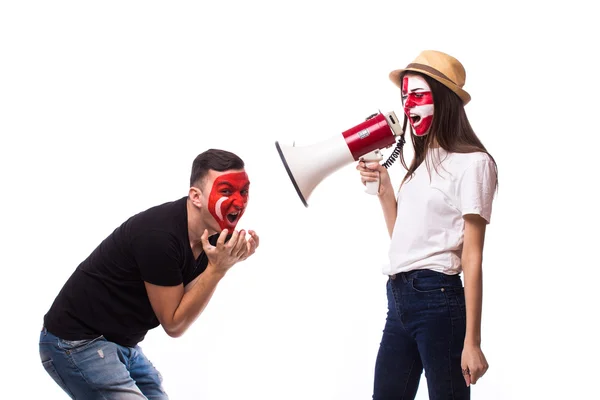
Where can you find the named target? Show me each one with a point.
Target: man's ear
(195, 196)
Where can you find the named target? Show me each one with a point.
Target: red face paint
(228, 199)
(418, 103)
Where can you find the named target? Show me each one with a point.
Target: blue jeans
(424, 330)
(99, 369)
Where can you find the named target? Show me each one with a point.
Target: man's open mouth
(232, 217)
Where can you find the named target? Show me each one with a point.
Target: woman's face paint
(228, 198)
(418, 103)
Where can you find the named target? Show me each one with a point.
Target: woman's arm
(474, 363)
(371, 172)
(390, 209)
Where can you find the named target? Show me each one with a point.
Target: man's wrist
(215, 273)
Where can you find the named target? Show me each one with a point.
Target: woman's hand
(473, 364)
(370, 172)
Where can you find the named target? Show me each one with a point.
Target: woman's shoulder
(469, 158)
(458, 163)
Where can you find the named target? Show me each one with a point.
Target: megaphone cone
(308, 165)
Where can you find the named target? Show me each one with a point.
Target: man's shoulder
(159, 214)
(166, 221)
(169, 207)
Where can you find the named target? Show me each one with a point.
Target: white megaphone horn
(307, 166)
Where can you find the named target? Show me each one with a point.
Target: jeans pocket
(49, 367)
(75, 345)
(432, 284)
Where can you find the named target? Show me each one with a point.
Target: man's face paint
(418, 103)
(228, 198)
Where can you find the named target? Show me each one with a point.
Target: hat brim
(464, 96)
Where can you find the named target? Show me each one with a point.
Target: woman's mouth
(415, 119)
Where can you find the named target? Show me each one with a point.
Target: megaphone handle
(375, 155)
(373, 187)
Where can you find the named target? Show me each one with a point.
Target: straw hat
(440, 66)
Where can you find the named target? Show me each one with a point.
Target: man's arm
(177, 307)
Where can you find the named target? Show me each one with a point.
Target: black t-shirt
(106, 295)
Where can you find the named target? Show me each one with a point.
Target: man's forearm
(195, 299)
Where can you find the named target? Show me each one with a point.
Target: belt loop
(404, 278)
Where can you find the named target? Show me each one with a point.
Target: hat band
(432, 71)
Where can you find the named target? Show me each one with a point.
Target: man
(160, 267)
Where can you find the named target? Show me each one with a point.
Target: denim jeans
(424, 330)
(100, 369)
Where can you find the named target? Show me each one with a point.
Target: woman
(437, 223)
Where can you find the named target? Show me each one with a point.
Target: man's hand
(473, 364)
(251, 244)
(225, 254)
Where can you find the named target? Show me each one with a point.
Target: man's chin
(230, 228)
(212, 239)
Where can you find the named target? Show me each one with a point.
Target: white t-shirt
(429, 228)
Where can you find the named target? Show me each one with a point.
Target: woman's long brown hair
(450, 127)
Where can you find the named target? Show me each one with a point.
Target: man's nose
(237, 201)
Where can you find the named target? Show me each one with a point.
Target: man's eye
(226, 192)
(244, 193)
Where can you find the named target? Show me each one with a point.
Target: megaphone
(308, 165)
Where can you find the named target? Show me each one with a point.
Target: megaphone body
(308, 165)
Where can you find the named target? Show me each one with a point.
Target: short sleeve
(476, 189)
(159, 258)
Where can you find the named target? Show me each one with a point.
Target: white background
(104, 105)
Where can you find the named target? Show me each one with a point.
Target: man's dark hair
(215, 159)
